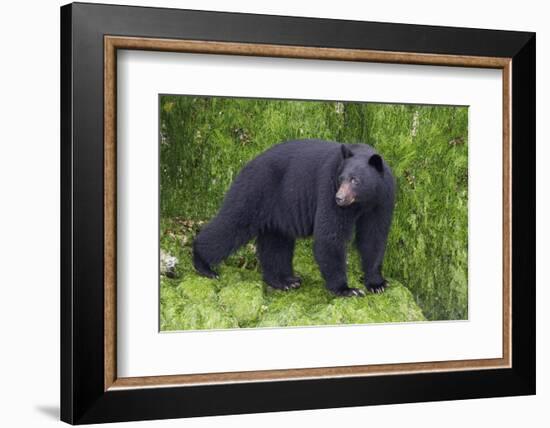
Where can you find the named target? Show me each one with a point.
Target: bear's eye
(354, 180)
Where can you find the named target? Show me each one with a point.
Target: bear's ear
(346, 152)
(376, 162)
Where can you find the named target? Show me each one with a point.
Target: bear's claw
(290, 283)
(207, 272)
(377, 289)
(349, 292)
(203, 268)
(294, 280)
(210, 274)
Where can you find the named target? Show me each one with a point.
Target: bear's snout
(345, 195)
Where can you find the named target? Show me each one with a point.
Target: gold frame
(113, 43)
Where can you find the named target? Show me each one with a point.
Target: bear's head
(360, 175)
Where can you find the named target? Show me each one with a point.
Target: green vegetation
(240, 298)
(206, 141)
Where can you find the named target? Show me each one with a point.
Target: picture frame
(91, 391)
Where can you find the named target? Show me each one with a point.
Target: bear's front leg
(371, 237)
(331, 258)
(275, 252)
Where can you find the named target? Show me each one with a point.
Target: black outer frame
(83, 399)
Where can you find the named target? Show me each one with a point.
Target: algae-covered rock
(239, 298)
(283, 318)
(198, 289)
(396, 304)
(192, 305)
(231, 274)
(306, 307)
(187, 315)
(213, 317)
(198, 303)
(243, 300)
(181, 316)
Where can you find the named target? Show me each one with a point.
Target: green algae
(240, 299)
(244, 300)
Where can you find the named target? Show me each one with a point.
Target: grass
(206, 141)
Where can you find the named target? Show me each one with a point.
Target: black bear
(298, 189)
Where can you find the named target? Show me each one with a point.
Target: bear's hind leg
(201, 266)
(216, 242)
(275, 252)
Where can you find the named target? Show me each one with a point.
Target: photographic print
(341, 184)
(294, 213)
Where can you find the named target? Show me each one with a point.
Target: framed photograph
(266, 213)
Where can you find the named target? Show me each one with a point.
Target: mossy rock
(198, 303)
(240, 299)
(310, 307)
(396, 304)
(196, 316)
(180, 316)
(198, 289)
(243, 300)
(213, 317)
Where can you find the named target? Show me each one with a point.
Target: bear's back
(292, 175)
(306, 150)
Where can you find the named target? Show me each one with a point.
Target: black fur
(288, 192)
